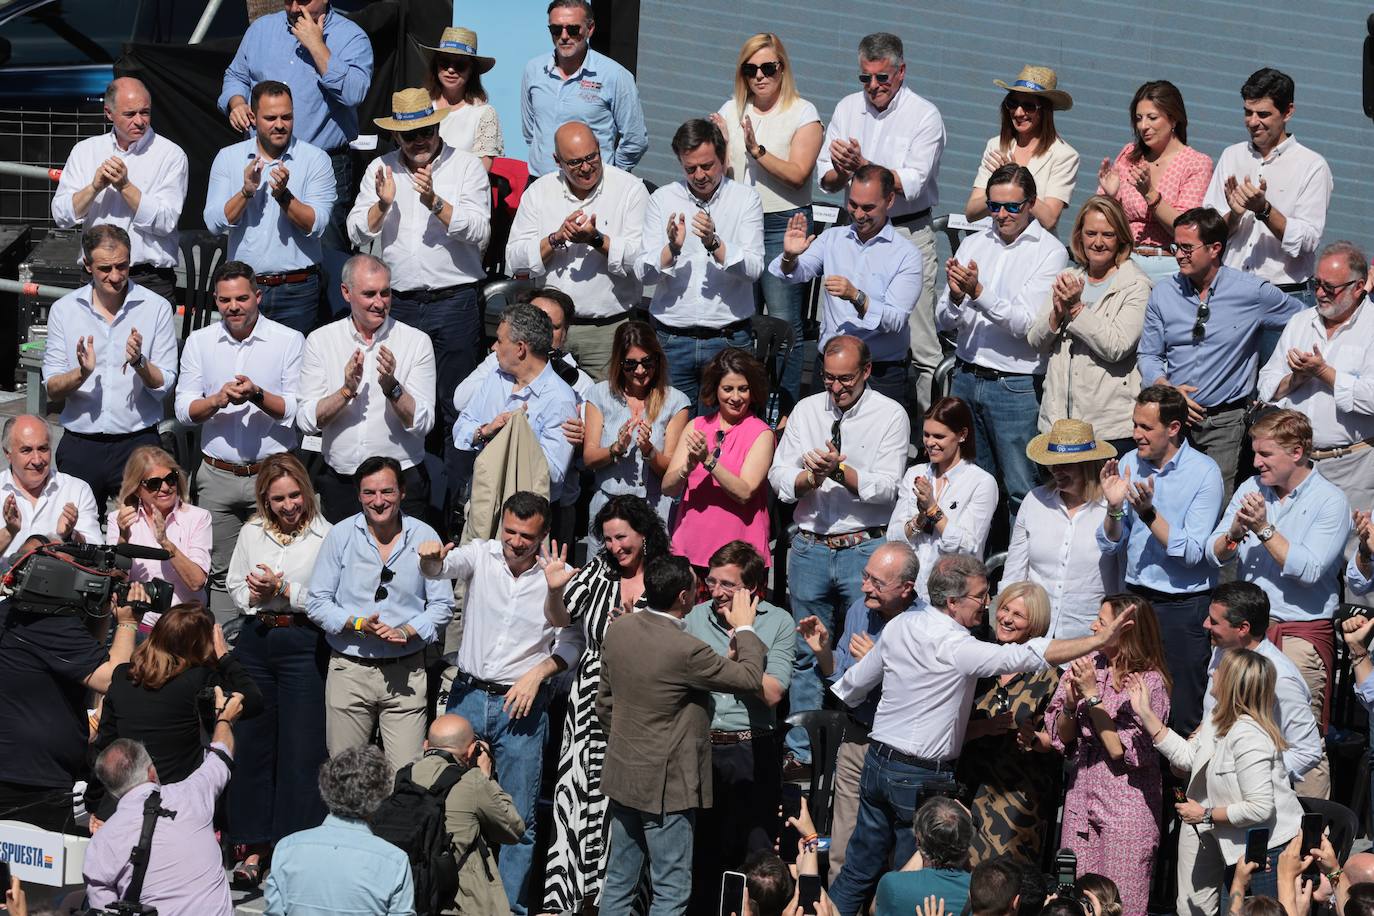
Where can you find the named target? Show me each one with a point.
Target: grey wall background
(1101, 50)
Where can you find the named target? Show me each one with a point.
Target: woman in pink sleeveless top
(721, 464)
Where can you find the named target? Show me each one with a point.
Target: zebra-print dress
(576, 864)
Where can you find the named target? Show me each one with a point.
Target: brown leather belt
(238, 470)
(295, 276)
(843, 541)
(272, 621)
(719, 737)
(1324, 453)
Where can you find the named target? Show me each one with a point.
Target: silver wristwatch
(1265, 533)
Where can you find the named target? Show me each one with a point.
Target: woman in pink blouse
(723, 461)
(1111, 809)
(1156, 176)
(153, 512)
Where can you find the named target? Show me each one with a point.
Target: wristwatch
(1148, 516)
(761, 152)
(1265, 533)
(713, 245)
(140, 362)
(438, 206)
(1207, 817)
(837, 475)
(861, 302)
(1264, 214)
(1090, 702)
(595, 240)
(555, 242)
(256, 397)
(395, 393)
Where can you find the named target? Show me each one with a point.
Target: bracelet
(1117, 514)
(346, 394)
(1156, 736)
(358, 624)
(1335, 875)
(225, 721)
(1356, 658)
(126, 626)
(810, 838)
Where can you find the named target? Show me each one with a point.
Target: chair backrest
(952, 236)
(774, 339)
(995, 564)
(942, 383)
(201, 253)
(1341, 822)
(497, 295)
(825, 730)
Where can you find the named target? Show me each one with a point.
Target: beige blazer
(1091, 374)
(1242, 772)
(654, 701)
(510, 462)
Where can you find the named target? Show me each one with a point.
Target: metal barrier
(30, 171)
(34, 290)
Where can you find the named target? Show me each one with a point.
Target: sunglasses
(387, 575)
(882, 78)
(1012, 208)
(458, 64)
(578, 163)
(1204, 311)
(574, 31)
(769, 69)
(630, 365)
(1332, 291)
(720, 440)
(420, 133)
(1177, 248)
(1012, 102)
(153, 484)
(835, 438)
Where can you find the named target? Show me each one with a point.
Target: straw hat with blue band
(1068, 442)
(1041, 81)
(413, 109)
(462, 42)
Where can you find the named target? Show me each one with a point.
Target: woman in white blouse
(1028, 138)
(1054, 540)
(1091, 326)
(1237, 780)
(454, 81)
(946, 504)
(774, 136)
(274, 790)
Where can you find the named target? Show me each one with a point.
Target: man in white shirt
(367, 387)
(506, 658)
(999, 281)
(1237, 619)
(1323, 367)
(840, 460)
(580, 229)
(703, 250)
(889, 125)
(1273, 190)
(928, 664)
(111, 355)
(37, 498)
(429, 207)
(133, 178)
(238, 383)
(872, 275)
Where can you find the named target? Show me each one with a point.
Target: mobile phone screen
(732, 894)
(809, 893)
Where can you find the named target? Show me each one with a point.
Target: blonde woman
(774, 137)
(1091, 325)
(1005, 754)
(275, 792)
(154, 512)
(1236, 780)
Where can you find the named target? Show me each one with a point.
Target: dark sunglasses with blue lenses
(1011, 207)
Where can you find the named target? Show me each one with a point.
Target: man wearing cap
(429, 207)
(888, 124)
(272, 194)
(326, 60)
(579, 84)
(131, 177)
(580, 229)
(872, 275)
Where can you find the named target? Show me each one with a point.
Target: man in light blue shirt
(1202, 335)
(523, 381)
(111, 356)
(1286, 527)
(272, 195)
(872, 276)
(1163, 499)
(378, 613)
(579, 84)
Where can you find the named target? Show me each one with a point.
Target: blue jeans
(825, 583)
(518, 746)
(888, 790)
(687, 356)
(293, 304)
(890, 379)
(666, 841)
(782, 299)
(1005, 413)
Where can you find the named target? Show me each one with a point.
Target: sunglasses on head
(630, 365)
(882, 78)
(574, 31)
(769, 69)
(387, 575)
(153, 484)
(1012, 207)
(420, 133)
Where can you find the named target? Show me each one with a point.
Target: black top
(44, 662)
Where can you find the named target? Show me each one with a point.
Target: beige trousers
(359, 697)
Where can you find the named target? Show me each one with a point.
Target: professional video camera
(59, 578)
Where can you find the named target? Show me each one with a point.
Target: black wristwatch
(1148, 516)
(715, 243)
(595, 240)
(395, 393)
(140, 362)
(1265, 213)
(256, 397)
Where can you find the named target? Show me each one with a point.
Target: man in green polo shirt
(746, 746)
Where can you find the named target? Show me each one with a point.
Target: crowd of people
(1159, 645)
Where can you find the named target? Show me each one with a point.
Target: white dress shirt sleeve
(968, 526)
(358, 230)
(78, 172)
(1299, 727)
(87, 516)
(905, 509)
(1275, 370)
(786, 466)
(291, 377)
(420, 380)
(527, 233)
(471, 203)
(159, 204)
(744, 241)
(314, 384)
(879, 483)
(1017, 565)
(975, 658)
(1306, 220)
(192, 383)
(161, 348)
(858, 682)
(622, 255)
(922, 158)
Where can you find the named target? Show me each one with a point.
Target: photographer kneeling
(185, 871)
(50, 662)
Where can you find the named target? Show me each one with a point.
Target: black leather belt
(1292, 287)
(1237, 404)
(425, 296)
(984, 372)
(599, 321)
(1155, 596)
(476, 683)
(888, 752)
(910, 217)
(701, 332)
(110, 437)
(884, 365)
(377, 662)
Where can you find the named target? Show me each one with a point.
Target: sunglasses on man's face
(153, 484)
(574, 31)
(1013, 207)
(882, 78)
(769, 69)
(420, 133)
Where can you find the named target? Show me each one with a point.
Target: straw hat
(412, 109)
(462, 43)
(1068, 442)
(1040, 81)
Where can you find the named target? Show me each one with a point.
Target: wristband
(225, 721)
(1117, 514)
(134, 626)
(810, 838)
(1335, 875)
(358, 624)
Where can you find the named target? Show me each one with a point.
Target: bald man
(578, 229)
(478, 812)
(132, 177)
(36, 499)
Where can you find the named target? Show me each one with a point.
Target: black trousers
(99, 460)
(161, 280)
(339, 494)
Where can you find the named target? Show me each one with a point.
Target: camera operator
(50, 661)
(185, 872)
